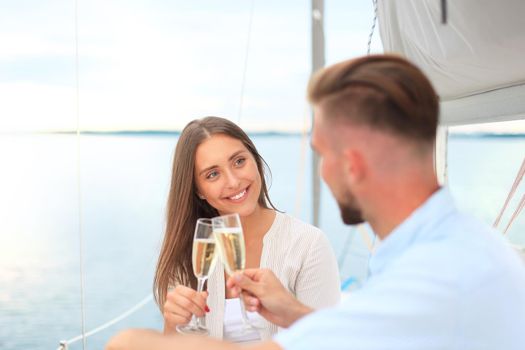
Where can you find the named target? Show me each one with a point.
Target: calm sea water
(124, 183)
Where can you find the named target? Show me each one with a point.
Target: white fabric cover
(491, 106)
(481, 50)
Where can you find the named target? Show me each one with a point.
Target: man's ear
(355, 166)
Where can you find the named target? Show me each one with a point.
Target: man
(438, 280)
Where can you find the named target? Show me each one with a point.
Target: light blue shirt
(440, 280)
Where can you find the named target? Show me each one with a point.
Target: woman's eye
(240, 161)
(212, 175)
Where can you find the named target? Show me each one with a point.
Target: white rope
(374, 2)
(243, 81)
(517, 181)
(64, 344)
(79, 187)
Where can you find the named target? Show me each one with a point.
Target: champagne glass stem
(245, 320)
(201, 321)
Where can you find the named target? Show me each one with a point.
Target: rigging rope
(79, 187)
(373, 27)
(364, 235)
(243, 81)
(516, 213)
(83, 336)
(513, 188)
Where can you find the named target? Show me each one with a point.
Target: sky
(157, 64)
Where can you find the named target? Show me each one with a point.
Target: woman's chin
(243, 211)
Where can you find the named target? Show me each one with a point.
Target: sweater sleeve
(318, 284)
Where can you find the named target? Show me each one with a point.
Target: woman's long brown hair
(185, 207)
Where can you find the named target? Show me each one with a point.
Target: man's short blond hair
(383, 91)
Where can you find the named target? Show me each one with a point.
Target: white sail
(475, 60)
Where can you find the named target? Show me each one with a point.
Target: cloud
(157, 64)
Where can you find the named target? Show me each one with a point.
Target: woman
(218, 171)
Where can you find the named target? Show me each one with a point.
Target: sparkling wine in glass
(203, 261)
(228, 234)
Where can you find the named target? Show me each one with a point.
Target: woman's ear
(200, 196)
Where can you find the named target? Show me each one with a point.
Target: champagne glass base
(247, 329)
(189, 329)
(255, 326)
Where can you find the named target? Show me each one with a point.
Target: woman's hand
(181, 304)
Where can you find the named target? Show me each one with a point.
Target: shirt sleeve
(318, 284)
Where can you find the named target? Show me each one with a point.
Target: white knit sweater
(300, 256)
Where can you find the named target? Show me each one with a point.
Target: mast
(318, 61)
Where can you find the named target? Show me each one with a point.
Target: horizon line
(165, 132)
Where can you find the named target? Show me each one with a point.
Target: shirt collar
(419, 226)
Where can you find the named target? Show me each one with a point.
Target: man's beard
(350, 214)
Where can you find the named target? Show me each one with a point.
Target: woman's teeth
(238, 196)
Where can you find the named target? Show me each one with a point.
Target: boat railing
(64, 344)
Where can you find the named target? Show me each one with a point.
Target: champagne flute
(228, 234)
(203, 261)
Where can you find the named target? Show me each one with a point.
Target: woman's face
(226, 175)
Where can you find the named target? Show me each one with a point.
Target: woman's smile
(239, 196)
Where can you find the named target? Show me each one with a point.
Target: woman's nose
(232, 179)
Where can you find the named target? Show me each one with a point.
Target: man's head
(374, 115)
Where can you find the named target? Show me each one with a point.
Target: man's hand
(266, 295)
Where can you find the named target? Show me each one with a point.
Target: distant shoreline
(252, 133)
(486, 135)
